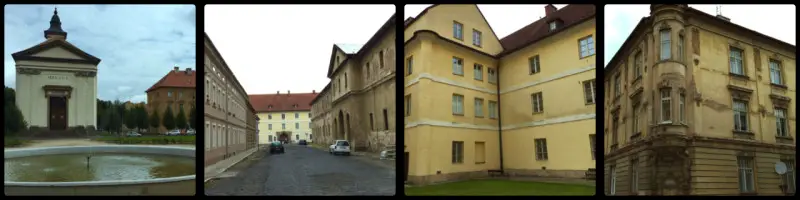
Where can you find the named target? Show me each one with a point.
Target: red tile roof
(282, 102)
(539, 29)
(176, 79)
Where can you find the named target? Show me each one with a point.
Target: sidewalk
(218, 168)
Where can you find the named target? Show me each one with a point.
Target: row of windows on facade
(296, 137)
(371, 122)
(217, 135)
(283, 126)
(540, 146)
(736, 62)
(458, 33)
(217, 96)
(741, 122)
(745, 174)
(338, 84)
(283, 115)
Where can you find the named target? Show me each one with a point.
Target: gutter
(499, 122)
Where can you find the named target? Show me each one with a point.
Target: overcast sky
(504, 19)
(288, 47)
(137, 44)
(777, 21)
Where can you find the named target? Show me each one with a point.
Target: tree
(193, 118)
(130, 119)
(114, 120)
(180, 119)
(13, 120)
(169, 119)
(141, 118)
(154, 120)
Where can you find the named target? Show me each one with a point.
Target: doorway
(57, 113)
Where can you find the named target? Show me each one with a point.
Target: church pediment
(55, 50)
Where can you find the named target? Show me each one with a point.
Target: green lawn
(11, 141)
(499, 188)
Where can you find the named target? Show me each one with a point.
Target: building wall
(361, 87)
(710, 147)
(159, 99)
(431, 127)
(31, 99)
(271, 123)
(226, 111)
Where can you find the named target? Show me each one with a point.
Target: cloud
(138, 44)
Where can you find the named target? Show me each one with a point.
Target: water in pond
(102, 167)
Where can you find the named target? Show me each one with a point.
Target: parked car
(276, 147)
(340, 147)
(174, 132)
(190, 132)
(133, 134)
(302, 142)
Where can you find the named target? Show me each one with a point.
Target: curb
(225, 168)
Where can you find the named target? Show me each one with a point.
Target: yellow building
(284, 117)
(697, 105)
(525, 108)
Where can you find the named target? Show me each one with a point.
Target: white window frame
(492, 73)
(476, 37)
(478, 107)
(534, 65)
(590, 91)
(458, 30)
(781, 122)
(492, 110)
(739, 109)
(746, 174)
(477, 71)
(458, 66)
(775, 76)
(553, 25)
(612, 190)
(682, 107)
(635, 176)
(586, 47)
(458, 104)
(736, 62)
(666, 105)
(666, 52)
(537, 101)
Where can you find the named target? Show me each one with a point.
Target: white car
(174, 132)
(190, 132)
(340, 147)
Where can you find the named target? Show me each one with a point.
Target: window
(492, 75)
(297, 137)
(478, 107)
(533, 64)
(492, 110)
(613, 188)
(476, 38)
(592, 143)
(380, 58)
(458, 31)
(371, 122)
(458, 104)
(478, 69)
(588, 91)
(781, 123)
(408, 105)
(283, 116)
(682, 107)
(368, 68)
(296, 125)
(458, 152)
(680, 48)
(746, 179)
(536, 99)
(637, 69)
(586, 46)
(385, 120)
(617, 86)
(615, 129)
(541, 149)
(270, 138)
(296, 115)
(635, 119)
(283, 126)
(345, 80)
(269, 126)
(480, 152)
(788, 178)
(737, 66)
(458, 66)
(409, 65)
(775, 72)
(665, 45)
(635, 176)
(553, 25)
(309, 115)
(169, 94)
(665, 105)
(739, 115)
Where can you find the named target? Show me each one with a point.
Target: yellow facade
(297, 123)
(451, 129)
(670, 120)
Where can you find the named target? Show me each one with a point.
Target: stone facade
(691, 108)
(359, 103)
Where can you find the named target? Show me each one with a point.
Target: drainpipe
(499, 121)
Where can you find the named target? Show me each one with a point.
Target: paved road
(305, 171)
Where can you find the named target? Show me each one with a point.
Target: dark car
(276, 147)
(302, 142)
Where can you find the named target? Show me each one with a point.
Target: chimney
(176, 68)
(313, 91)
(189, 71)
(288, 92)
(549, 9)
(279, 92)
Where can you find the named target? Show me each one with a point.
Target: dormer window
(553, 25)
(295, 105)
(269, 107)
